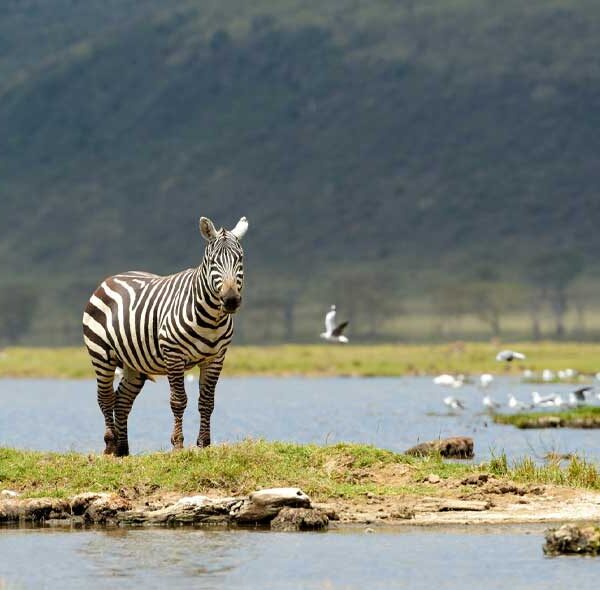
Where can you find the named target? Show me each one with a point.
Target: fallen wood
(264, 505)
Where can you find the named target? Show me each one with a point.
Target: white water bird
(449, 380)
(333, 331)
(516, 404)
(485, 379)
(547, 375)
(190, 378)
(454, 403)
(542, 400)
(118, 373)
(577, 397)
(528, 374)
(489, 403)
(509, 355)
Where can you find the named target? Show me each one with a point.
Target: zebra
(150, 325)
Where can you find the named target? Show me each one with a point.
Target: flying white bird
(485, 379)
(454, 403)
(333, 331)
(516, 404)
(509, 355)
(577, 397)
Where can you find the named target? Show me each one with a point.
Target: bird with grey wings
(333, 330)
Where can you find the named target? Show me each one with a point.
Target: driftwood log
(260, 507)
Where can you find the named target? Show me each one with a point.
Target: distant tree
(450, 303)
(490, 300)
(18, 304)
(367, 298)
(553, 272)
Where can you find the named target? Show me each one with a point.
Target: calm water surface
(415, 558)
(391, 413)
(394, 413)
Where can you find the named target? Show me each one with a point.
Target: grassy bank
(384, 360)
(585, 417)
(336, 471)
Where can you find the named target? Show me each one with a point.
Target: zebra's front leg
(209, 375)
(178, 401)
(106, 401)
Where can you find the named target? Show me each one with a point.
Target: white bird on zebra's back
(485, 379)
(333, 331)
(509, 356)
(454, 403)
(516, 404)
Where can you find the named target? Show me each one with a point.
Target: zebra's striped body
(155, 325)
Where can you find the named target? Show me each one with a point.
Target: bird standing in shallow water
(454, 403)
(333, 331)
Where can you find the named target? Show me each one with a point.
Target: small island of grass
(584, 417)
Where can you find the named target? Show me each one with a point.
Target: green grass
(383, 360)
(331, 471)
(324, 472)
(577, 472)
(584, 417)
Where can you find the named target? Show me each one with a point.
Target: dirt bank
(478, 499)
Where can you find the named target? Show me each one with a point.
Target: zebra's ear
(239, 231)
(207, 229)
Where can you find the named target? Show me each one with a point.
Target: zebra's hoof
(110, 442)
(122, 450)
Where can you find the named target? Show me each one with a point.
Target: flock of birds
(575, 398)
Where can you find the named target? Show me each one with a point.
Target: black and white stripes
(155, 325)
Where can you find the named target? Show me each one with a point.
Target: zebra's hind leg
(105, 375)
(129, 387)
(178, 402)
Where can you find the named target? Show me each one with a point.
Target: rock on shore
(456, 447)
(570, 539)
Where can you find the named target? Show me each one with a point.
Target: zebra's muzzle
(231, 303)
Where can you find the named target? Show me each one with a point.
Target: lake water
(409, 557)
(393, 413)
(390, 413)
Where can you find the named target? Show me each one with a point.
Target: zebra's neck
(207, 307)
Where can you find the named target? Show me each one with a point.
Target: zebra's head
(224, 260)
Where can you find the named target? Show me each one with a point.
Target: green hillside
(412, 140)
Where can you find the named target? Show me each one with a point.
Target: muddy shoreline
(482, 500)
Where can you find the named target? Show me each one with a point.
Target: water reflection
(408, 557)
